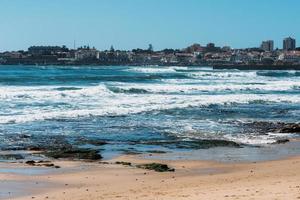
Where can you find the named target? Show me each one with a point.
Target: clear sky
(128, 24)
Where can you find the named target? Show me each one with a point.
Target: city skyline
(266, 45)
(130, 24)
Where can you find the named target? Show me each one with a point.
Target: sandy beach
(193, 180)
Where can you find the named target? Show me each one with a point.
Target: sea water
(142, 108)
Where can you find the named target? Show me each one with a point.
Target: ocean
(137, 109)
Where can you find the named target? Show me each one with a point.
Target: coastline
(256, 67)
(192, 179)
(243, 67)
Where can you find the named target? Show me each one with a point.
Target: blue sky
(128, 24)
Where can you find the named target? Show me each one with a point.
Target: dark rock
(131, 152)
(74, 153)
(156, 151)
(48, 143)
(95, 142)
(282, 141)
(262, 126)
(30, 162)
(205, 144)
(24, 136)
(123, 163)
(156, 167)
(104, 163)
(194, 144)
(290, 128)
(275, 127)
(35, 148)
(43, 161)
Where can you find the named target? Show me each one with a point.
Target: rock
(24, 136)
(263, 127)
(156, 167)
(194, 144)
(206, 144)
(282, 141)
(104, 163)
(203, 144)
(95, 142)
(35, 148)
(130, 152)
(123, 163)
(290, 128)
(275, 127)
(74, 153)
(43, 161)
(30, 162)
(156, 151)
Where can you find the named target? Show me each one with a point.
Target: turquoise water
(142, 108)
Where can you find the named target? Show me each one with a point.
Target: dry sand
(195, 180)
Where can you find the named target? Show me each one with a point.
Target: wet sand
(279, 179)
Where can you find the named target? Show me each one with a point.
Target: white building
(87, 53)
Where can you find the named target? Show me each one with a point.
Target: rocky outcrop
(156, 167)
(274, 127)
(290, 128)
(74, 154)
(282, 141)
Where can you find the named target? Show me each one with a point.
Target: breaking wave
(24, 104)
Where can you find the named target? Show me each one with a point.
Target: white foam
(187, 86)
(29, 103)
(99, 101)
(222, 74)
(152, 70)
(251, 139)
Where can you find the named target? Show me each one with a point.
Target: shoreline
(257, 67)
(243, 67)
(192, 179)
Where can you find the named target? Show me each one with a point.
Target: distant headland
(263, 57)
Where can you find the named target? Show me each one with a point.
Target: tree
(169, 51)
(150, 48)
(112, 48)
(199, 57)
